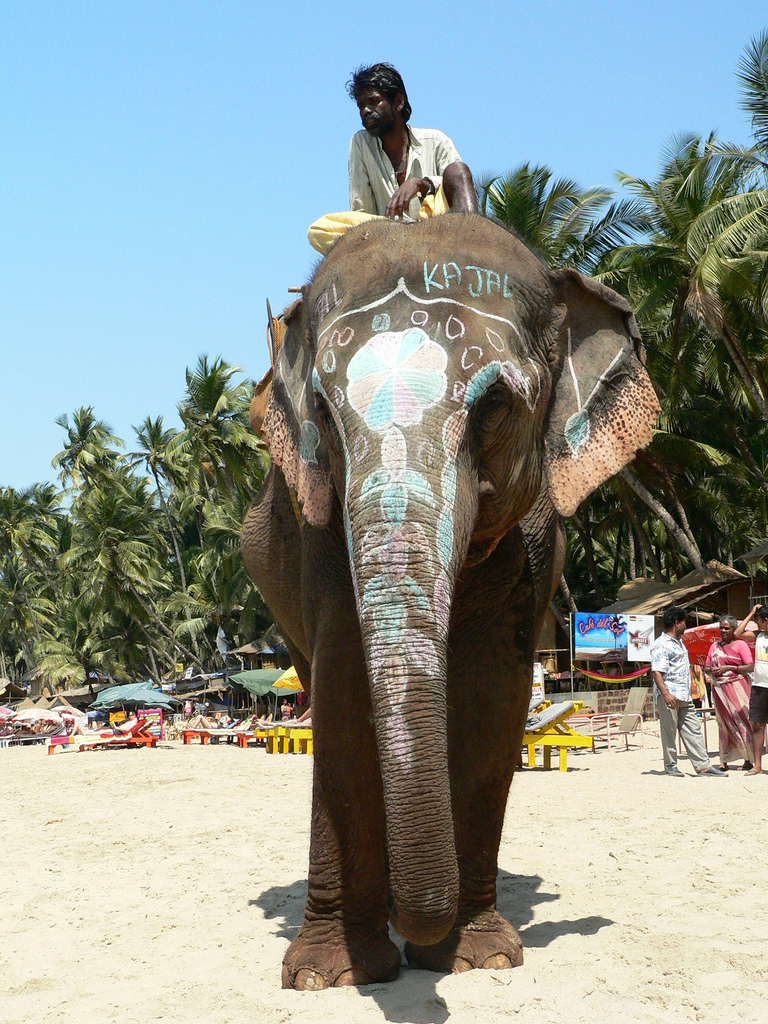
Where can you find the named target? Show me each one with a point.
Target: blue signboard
(599, 636)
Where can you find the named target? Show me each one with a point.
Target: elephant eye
(327, 424)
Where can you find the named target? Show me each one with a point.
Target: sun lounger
(20, 739)
(205, 735)
(137, 736)
(299, 738)
(612, 727)
(626, 723)
(549, 728)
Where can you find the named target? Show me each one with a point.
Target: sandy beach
(166, 884)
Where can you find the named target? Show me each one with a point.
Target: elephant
(440, 400)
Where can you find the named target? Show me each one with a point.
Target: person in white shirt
(758, 697)
(394, 167)
(671, 672)
(395, 170)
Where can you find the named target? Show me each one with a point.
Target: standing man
(758, 697)
(395, 170)
(677, 714)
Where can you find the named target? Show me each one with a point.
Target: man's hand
(670, 701)
(400, 201)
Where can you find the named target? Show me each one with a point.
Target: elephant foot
(317, 959)
(487, 941)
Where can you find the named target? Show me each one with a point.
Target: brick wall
(612, 701)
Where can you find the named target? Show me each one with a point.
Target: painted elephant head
(431, 379)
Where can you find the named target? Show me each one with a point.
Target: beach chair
(137, 736)
(288, 739)
(626, 723)
(299, 738)
(20, 739)
(549, 728)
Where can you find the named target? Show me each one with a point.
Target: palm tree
(154, 442)
(216, 438)
(752, 73)
(27, 531)
(707, 239)
(88, 449)
(222, 593)
(74, 644)
(559, 220)
(118, 537)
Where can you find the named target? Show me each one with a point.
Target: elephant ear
(603, 407)
(290, 427)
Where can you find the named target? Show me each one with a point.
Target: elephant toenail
(499, 961)
(348, 978)
(311, 980)
(460, 965)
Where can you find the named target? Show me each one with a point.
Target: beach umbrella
(287, 683)
(257, 681)
(134, 695)
(699, 639)
(6, 713)
(37, 715)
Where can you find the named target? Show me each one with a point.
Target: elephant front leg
(344, 939)
(489, 687)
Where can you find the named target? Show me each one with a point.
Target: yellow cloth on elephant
(328, 229)
(324, 231)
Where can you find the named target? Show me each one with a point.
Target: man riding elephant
(395, 170)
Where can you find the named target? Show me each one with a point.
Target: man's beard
(382, 124)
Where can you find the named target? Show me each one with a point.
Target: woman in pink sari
(730, 663)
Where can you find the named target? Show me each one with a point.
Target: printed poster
(607, 636)
(640, 637)
(599, 636)
(152, 719)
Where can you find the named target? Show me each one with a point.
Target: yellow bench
(550, 730)
(284, 739)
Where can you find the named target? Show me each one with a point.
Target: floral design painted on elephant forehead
(393, 380)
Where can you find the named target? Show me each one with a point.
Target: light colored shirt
(372, 179)
(760, 677)
(670, 658)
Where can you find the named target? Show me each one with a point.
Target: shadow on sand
(414, 997)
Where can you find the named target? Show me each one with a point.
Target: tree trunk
(617, 553)
(749, 459)
(155, 670)
(567, 594)
(646, 549)
(743, 369)
(162, 626)
(172, 532)
(679, 509)
(631, 545)
(589, 554)
(688, 545)
(177, 551)
(561, 620)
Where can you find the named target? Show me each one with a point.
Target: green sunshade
(134, 695)
(257, 680)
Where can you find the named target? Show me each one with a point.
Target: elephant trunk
(424, 876)
(404, 549)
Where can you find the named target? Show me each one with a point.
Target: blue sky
(161, 161)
